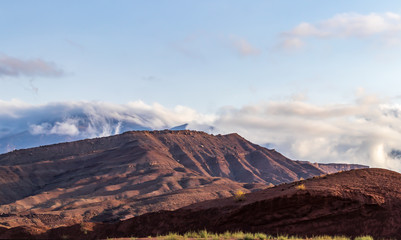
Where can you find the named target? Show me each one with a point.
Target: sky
(317, 80)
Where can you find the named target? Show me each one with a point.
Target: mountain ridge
(118, 177)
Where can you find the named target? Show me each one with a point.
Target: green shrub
(239, 235)
(248, 236)
(191, 235)
(261, 236)
(325, 237)
(172, 236)
(203, 234)
(227, 235)
(341, 238)
(364, 238)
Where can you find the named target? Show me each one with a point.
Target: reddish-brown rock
(118, 177)
(353, 203)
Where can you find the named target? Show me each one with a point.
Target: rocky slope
(118, 177)
(353, 203)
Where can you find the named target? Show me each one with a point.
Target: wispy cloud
(14, 67)
(75, 45)
(243, 47)
(200, 46)
(190, 45)
(150, 78)
(346, 25)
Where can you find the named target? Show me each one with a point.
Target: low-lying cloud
(92, 119)
(386, 26)
(14, 67)
(362, 132)
(68, 127)
(366, 131)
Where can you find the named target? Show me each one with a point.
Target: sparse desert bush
(364, 238)
(330, 238)
(191, 235)
(239, 196)
(239, 235)
(249, 236)
(340, 238)
(300, 187)
(203, 234)
(260, 236)
(172, 236)
(226, 235)
(282, 237)
(286, 237)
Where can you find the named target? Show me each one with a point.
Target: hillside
(353, 203)
(118, 177)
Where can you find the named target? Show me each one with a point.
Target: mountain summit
(118, 177)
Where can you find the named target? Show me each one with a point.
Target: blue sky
(192, 53)
(318, 80)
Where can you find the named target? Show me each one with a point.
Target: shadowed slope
(354, 203)
(118, 177)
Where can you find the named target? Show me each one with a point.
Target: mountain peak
(125, 175)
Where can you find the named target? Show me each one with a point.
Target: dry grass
(204, 234)
(300, 187)
(239, 196)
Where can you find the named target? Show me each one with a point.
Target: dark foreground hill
(353, 203)
(119, 177)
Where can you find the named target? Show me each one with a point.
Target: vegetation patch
(239, 196)
(300, 187)
(204, 234)
(364, 238)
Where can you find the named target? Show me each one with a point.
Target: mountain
(115, 178)
(353, 203)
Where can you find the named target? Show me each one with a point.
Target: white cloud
(92, 119)
(366, 131)
(42, 128)
(68, 127)
(65, 128)
(14, 67)
(387, 26)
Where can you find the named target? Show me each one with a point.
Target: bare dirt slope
(353, 203)
(115, 178)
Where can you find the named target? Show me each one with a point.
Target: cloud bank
(386, 26)
(366, 131)
(92, 119)
(14, 67)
